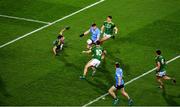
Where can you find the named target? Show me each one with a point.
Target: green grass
(31, 75)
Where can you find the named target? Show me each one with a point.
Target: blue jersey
(119, 73)
(95, 34)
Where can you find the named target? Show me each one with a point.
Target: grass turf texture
(31, 75)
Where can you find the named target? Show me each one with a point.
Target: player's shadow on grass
(169, 98)
(3, 90)
(67, 63)
(107, 74)
(98, 85)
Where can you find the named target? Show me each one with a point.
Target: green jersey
(162, 62)
(97, 52)
(56, 42)
(109, 28)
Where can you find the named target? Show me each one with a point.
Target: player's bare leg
(112, 92)
(94, 71)
(54, 50)
(169, 78)
(86, 69)
(104, 39)
(160, 82)
(124, 93)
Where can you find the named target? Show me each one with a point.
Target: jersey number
(98, 52)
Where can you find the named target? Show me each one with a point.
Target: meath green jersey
(97, 52)
(162, 62)
(56, 42)
(108, 28)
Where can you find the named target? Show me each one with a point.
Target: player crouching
(95, 35)
(109, 29)
(98, 53)
(59, 42)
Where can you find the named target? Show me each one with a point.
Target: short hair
(98, 42)
(158, 52)
(60, 36)
(117, 65)
(94, 24)
(110, 17)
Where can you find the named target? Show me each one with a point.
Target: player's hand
(67, 27)
(81, 35)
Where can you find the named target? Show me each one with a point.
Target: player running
(109, 29)
(59, 42)
(95, 35)
(119, 86)
(98, 53)
(161, 69)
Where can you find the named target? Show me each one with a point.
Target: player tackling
(161, 69)
(98, 54)
(109, 29)
(95, 35)
(59, 42)
(119, 86)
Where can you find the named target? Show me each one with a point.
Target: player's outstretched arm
(158, 66)
(102, 29)
(89, 51)
(62, 31)
(85, 33)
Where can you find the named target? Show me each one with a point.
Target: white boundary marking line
(65, 17)
(25, 19)
(134, 79)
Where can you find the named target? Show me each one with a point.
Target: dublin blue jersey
(95, 34)
(119, 73)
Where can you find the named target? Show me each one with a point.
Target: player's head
(158, 52)
(98, 42)
(60, 37)
(93, 25)
(109, 18)
(117, 64)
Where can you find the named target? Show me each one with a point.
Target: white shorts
(107, 35)
(89, 41)
(95, 62)
(161, 74)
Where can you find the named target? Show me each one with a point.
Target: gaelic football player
(109, 29)
(59, 42)
(161, 69)
(119, 86)
(98, 53)
(95, 35)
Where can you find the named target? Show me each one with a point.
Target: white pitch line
(134, 79)
(65, 17)
(25, 19)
